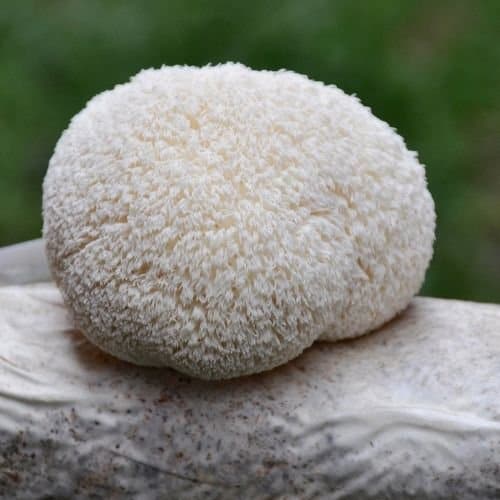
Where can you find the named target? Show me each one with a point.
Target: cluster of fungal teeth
(219, 220)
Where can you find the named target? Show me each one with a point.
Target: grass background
(430, 68)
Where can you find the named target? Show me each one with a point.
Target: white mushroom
(219, 220)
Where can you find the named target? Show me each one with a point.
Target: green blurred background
(429, 68)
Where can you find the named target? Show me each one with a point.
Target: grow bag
(410, 411)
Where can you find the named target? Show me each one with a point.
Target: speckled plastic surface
(411, 411)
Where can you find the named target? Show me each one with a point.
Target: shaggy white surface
(219, 220)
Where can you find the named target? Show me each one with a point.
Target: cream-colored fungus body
(219, 220)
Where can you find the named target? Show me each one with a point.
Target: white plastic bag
(411, 411)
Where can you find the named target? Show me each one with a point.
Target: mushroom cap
(219, 220)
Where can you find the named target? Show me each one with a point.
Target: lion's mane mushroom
(219, 220)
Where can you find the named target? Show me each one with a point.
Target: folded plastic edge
(24, 263)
